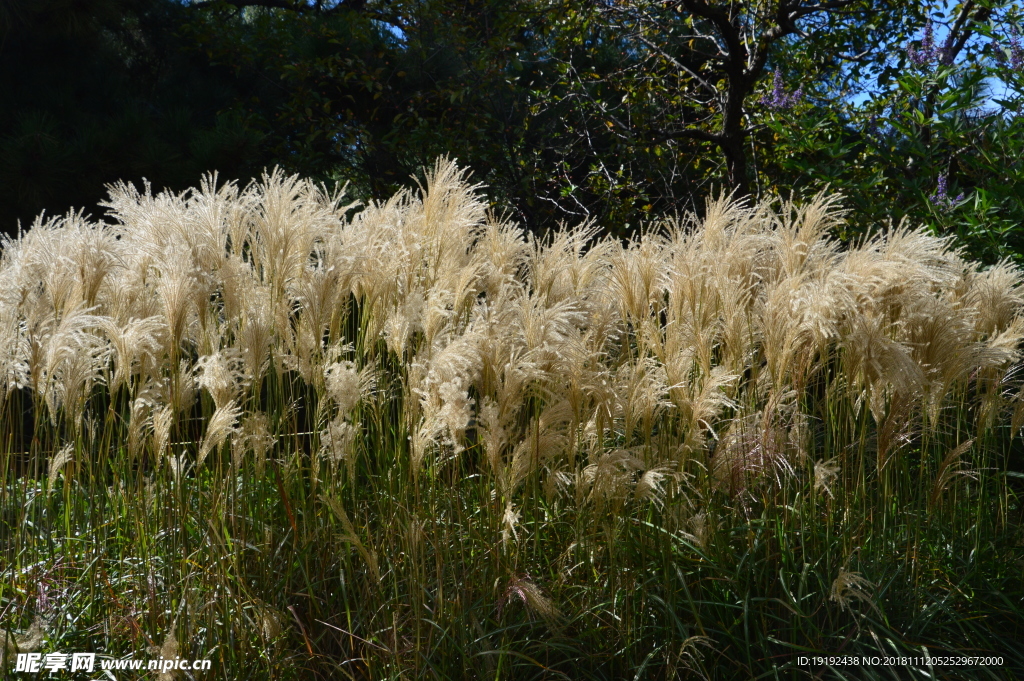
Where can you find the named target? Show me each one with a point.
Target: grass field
(305, 439)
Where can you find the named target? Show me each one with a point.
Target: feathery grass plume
(256, 333)
(495, 437)
(136, 314)
(68, 257)
(168, 651)
(176, 290)
(220, 426)
(952, 466)
(163, 419)
(178, 466)
(303, 353)
(849, 587)
(941, 340)
(565, 264)
(255, 437)
(289, 217)
(452, 213)
(337, 443)
(268, 621)
(752, 449)
(155, 223)
(14, 351)
(415, 537)
(57, 462)
(57, 341)
(729, 244)
(956, 362)
(996, 295)
(650, 486)
(542, 329)
(503, 249)
(636, 276)
(92, 254)
(137, 342)
(140, 421)
(557, 481)
(442, 385)
(346, 385)
(238, 287)
(351, 537)
(800, 240)
(874, 361)
(404, 320)
(643, 390)
(611, 476)
(700, 529)
(524, 590)
(796, 319)
(456, 412)
(506, 367)
(586, 384)
(908, 259)
(222, 215)
(422, 440)
(180, 389)
(454, 297)
(509, 522)
(1017, 416)
(799, 441)
(998, 370)
(736, 332)
(322, 299)
(543, 441)
(222, 375)
(896, 430)
(825, 472)
(690, 656)
(74, 362)
(700, 400)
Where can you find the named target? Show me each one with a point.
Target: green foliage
(887, 132)
(369, 98)
(103, 90)
(615, 113)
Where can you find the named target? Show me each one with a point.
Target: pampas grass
(563, 456)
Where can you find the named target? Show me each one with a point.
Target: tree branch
(679, 65)
(297, 6)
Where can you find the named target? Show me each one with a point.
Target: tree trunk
(733, 136)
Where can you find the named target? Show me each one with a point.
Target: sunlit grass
(408, 441)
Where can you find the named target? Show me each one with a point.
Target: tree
(371, 92)
(699, 63)
(101, 90)
(927, 127)
(609, 111)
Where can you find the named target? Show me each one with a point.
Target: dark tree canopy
(100, 90)
(615, 112)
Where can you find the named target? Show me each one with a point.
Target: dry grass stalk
(559, 353)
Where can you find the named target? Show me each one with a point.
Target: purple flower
(940, 191)
(944, 54)
(929, 52)
(779, 99)
(1016, 52)
(924, 55)
(941, 200)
